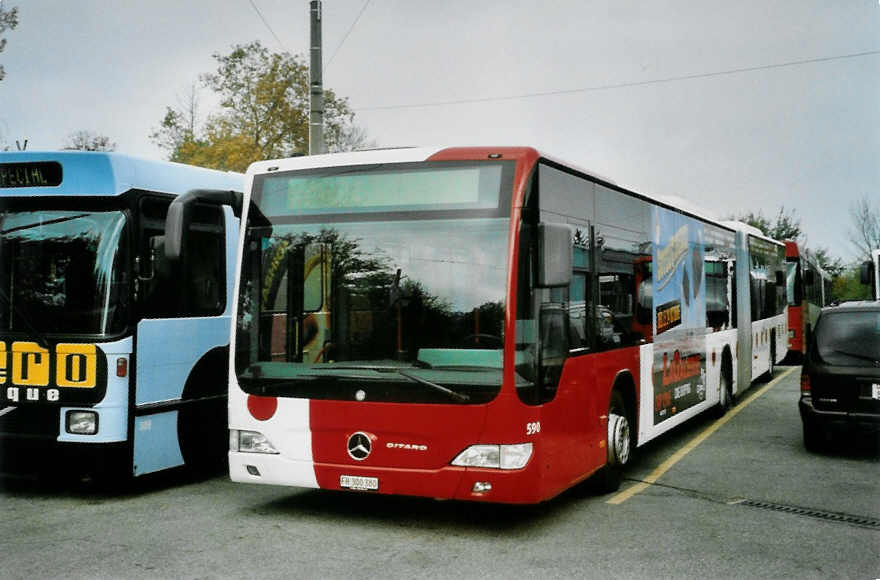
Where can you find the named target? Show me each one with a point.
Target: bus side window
(577, 312)
(579, 295)
(205, 279)
(622, 249)
(198, 292)
(717, 303)
(154, 288)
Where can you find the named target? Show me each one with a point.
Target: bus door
(296, 304)
(182, 341)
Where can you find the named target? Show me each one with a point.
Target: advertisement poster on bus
(679, 308)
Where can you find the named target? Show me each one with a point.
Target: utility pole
(316, 114)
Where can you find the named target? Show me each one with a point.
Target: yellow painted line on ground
(693, 443)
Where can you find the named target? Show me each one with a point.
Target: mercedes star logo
(359, 446)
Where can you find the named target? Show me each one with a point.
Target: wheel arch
(202, 421)
(727, 363)
(625, 384)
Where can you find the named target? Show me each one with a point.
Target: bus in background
(113, 356)
(870, 274)
(762, 283)
(806, 287)
(483, 324)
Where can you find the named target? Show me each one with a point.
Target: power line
(260, 14)
(620, 85)
(350, 28)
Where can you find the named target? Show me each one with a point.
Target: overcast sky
(735, 106)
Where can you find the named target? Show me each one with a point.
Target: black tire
(619, 445)
(726, 400)
(202, 420)
(772, 356)
(813, 436)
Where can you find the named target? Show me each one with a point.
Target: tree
(8, 21)
(88, 141)
(848, 286)
(786, 226)
(866, 226)
(180, 124)
(264, 113)
(831, 264)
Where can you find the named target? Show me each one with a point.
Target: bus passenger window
(717, 303)
(577, 311)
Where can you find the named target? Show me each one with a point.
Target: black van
(840, 379)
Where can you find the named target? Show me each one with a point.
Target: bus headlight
(495, 456)
(82, 422)
(250, 442)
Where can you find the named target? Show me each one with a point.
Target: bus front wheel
(619, 444)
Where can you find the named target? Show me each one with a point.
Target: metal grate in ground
(861, 521)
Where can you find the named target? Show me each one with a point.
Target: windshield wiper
(460, 397)
(335, 373)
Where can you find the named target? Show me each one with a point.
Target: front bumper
(449, 482)
(51, 460)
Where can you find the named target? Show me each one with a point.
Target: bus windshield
(62, 272)
(376, 284)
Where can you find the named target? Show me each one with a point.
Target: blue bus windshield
(62, 272)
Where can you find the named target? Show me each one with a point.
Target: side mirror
(780, 279)
(866, 272)
(554, 255)
(179, 217)
(810, 278)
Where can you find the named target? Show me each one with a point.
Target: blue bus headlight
(250, 442)
(495, 456)
(82, 422)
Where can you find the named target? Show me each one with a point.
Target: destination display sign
(30, 174)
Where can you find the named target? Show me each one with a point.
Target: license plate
(359, 483)
(875, 391)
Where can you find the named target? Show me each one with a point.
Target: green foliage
(264, 113)
(8, 21)
(848, 286)
(785, 227)
(831, 264)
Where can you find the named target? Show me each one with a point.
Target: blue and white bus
(113, 344)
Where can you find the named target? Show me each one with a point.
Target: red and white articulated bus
(482, 324)
(808, 288)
